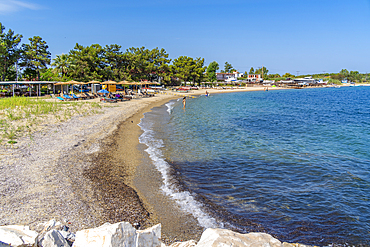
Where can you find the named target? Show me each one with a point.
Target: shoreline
(90, 170)
(57, 173)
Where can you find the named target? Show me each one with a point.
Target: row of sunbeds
(85, 96)
(112, 98)
(104, 97)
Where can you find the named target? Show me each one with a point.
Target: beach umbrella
(124, 83)
(103, 91)
(72, 83)
(61, 84)
(94, 82)
(136, 84)
(108, 82)
(83, 83)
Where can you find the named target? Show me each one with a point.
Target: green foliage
(9, 53)
(211, 71)
(145, 64)
(188, 69)
(262, 71)
(87, 63)
(344, 72)
(288, 75)
(110, 63)
(338, 76)
(21, 114)
(251, 71)
(62, 64)
(50, 75)
(354, 76)
(36, 55)
(29, 74)
(115, 63)
(228, 68)
(273, 76)
(334, 81)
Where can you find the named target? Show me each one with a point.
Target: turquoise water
(292, 163)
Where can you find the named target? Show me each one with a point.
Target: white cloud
(11, 6)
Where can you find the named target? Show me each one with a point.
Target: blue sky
(308, 36)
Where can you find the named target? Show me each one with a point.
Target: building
(228, 76)
(255, 78)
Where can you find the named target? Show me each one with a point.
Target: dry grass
(21, 116)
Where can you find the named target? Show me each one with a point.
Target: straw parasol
(72, 83)
(93, 82)
(62, 83)
(124, 83)
(83, 83)
(108, 82)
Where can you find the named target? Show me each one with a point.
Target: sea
(291, 163)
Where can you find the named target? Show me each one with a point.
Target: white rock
(107, 235)
(2, 244)
(190, 243)
(17, 235)
(53, 238)
(221, 237)
(68, 235)
(149, 237)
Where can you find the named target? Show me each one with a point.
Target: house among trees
(228, 76)
(255, 78)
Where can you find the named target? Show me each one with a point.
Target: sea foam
(170, 106)
(183, 198)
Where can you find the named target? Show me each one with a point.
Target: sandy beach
(90, 170)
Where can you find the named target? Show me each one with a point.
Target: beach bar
(24, 88)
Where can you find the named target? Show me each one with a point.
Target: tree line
(344, 74)
(32, 61)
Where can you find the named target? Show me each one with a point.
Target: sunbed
(75, 97)
(90, 96)
(65, 96)
(108, 100)
(82, 96)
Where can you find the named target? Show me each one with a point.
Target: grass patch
(22, 115)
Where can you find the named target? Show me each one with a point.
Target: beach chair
(125, 96)
(108, 100)
(65, 96)
(59, 98)
(75, 97)
(89, 96)
(82, 96)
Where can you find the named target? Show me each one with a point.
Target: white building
(255, 78)
(228, 76)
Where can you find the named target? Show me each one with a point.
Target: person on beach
(207, 94)
(184, 101)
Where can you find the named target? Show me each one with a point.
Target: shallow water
(293, 163)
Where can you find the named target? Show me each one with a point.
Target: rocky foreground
(56, 234)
